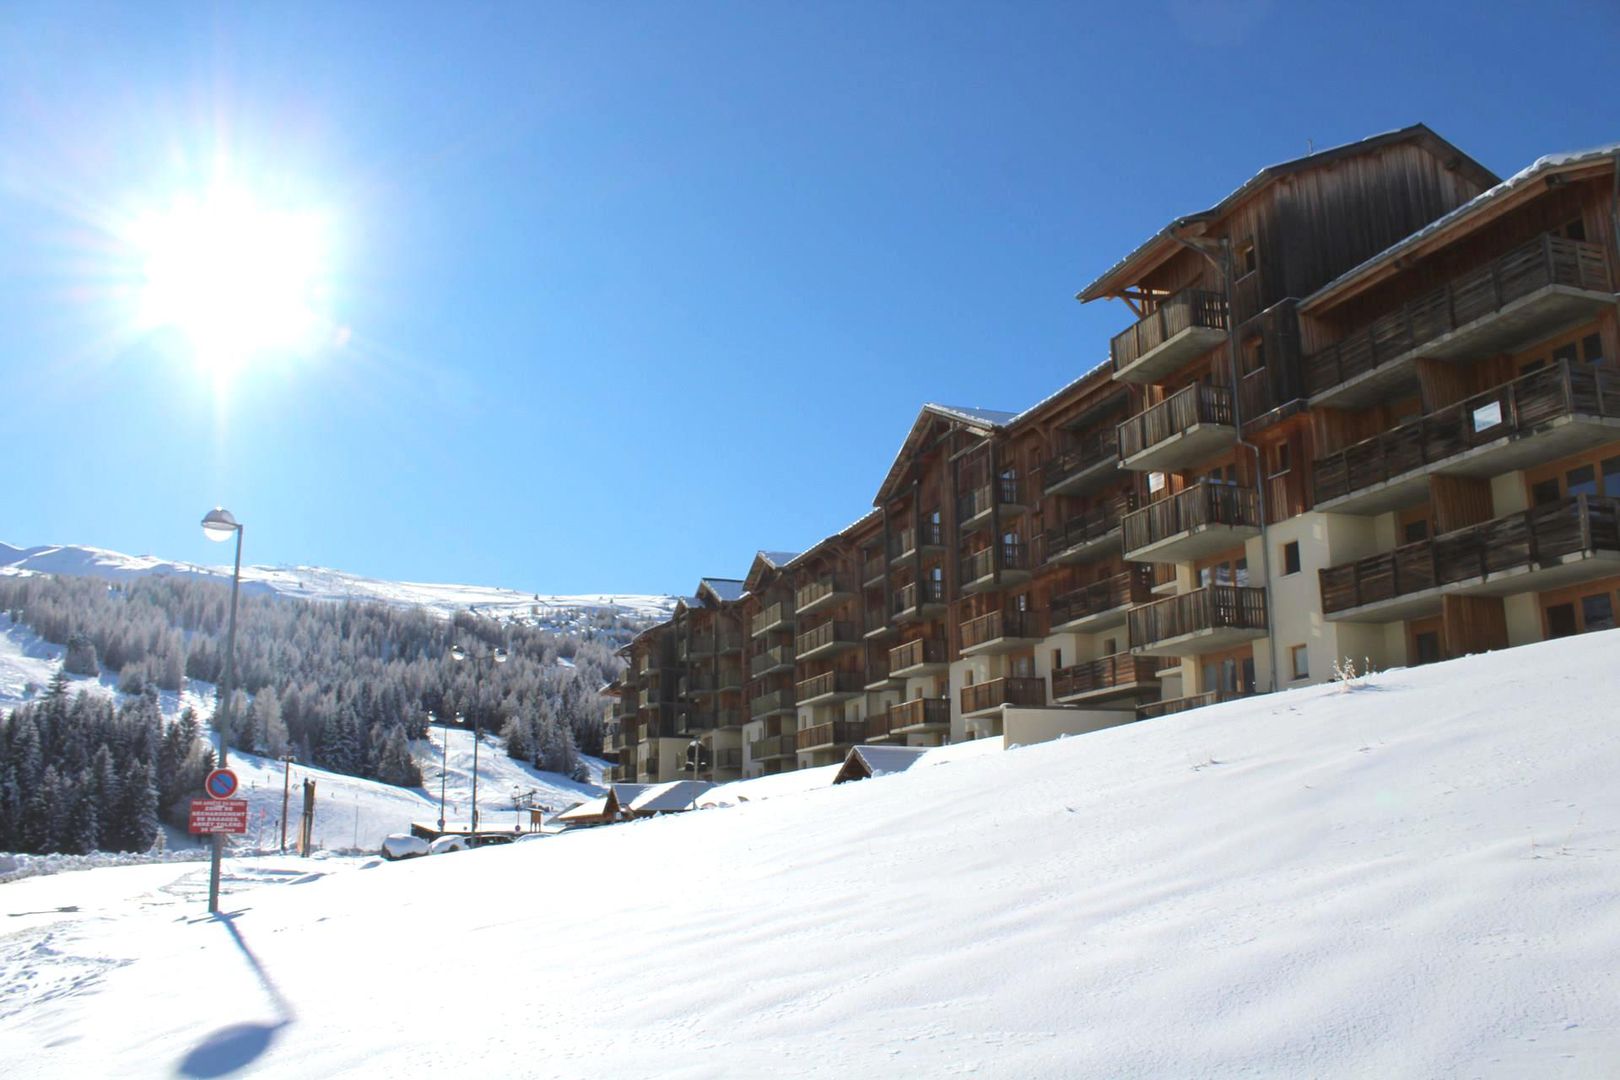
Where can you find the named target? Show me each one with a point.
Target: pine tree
(138, 812)
(81, 656)
(108, 791)
(82, 832)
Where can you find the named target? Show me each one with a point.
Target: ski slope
(1413, 878)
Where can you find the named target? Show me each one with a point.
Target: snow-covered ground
(1416, 878)
(318, 583)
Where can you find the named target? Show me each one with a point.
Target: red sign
(219, 815)
(221, 784)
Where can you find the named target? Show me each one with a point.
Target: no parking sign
(221, 784)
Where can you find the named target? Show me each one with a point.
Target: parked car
(446, 844)
(403, 846)
(483, 839)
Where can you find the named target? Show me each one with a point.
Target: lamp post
(498, 656)
(219, 525)
(444, 763)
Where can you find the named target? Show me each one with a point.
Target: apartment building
(1365, 408)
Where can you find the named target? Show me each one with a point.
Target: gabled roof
(868, 761)
(668, 798)
(1161, 245)
(778, 559)
(1440, 230)
(977, 421)
(724, 590)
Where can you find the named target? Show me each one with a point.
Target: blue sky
(628, 291)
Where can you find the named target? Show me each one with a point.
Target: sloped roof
(726, 590)
(980, 421)
(988, 417)
(866, 761)
(779, 559)
(1479, 204)
(668, 798)
(596, 809)
(1153, 250)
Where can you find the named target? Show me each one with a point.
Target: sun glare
(239, 281)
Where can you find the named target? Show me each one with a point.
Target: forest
(341, 685)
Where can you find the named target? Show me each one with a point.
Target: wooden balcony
(875, 624)
(1003, 563)
(1180, 431)
(1091, 462)
(1100, 605)
(879, 676)
(835, 733)
(1006, 492)
(725, 719)
(729, 678)
(828, 639)
(905, 542)
(819, 594)
(1536, 418)
(919, 600)
(658, 722)
(873, 571)
(989, 698)
(919, 716)
(772, 747)
(829, 687)
(694, 720)
(1087, 536)
(1532, 292)
(775, 703)
(1546, 547)
(1197, 521)
(697, 684)
(775, 617)
(1191, 701)
(1185, 324)
(696, 647)
(728, 760)
(779, 658)
(1205, 620)
(1000, 632)
(917, 658)
(727, 642)
(1120, 675)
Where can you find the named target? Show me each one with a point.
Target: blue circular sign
(221, 784)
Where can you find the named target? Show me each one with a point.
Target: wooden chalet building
(1368, 407)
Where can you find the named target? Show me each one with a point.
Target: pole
(286, 776)
(477, 730)
(225, 724)
(444, 769)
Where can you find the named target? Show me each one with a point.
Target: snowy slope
(316, 583)
(1417, 878)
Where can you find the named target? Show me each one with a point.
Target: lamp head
(458, 653)
(500, 656)
(219, 524)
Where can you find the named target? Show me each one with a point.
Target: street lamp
(219, 525)
(444, 764)
(496, 657)
(286, 775)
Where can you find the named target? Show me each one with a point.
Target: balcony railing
(1092, 459)
(1202, 507)
(777, 658)
(730, 677)
(1026, 692)
(1513, 409)
(905, 541)
(729, 759)
(1468, 298)
(775, 617)
(1006, 490)
(1201, 620)
(1191, 701)
(982, 565)
(1122, 671)
(774, 702)
(832, 733)
(772, 746)
(1101, 602)
(873, 570)
(728, 641)
(1184, 324)
(697, 646)
(920, 654)
(920, 713)
(999, 625)
(818, 594)
(826, 639)
(830, 684)
(1178, 431)
(1090, 532)
(1542, 538)
(907, 598)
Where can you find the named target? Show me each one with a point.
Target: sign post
(220, 785)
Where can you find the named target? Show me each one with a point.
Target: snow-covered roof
(864, 761)
(769, 787)
(991, 417)
(627, 793)
(590, 810)
(1534, 171)
(1416, 132)
(668, 798)
(779, 559)
(725, 590)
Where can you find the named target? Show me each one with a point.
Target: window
(1561, 620)
(1597, 612)
(1299, 656)
(1544, 492)
(1057, 659)
(1574, 230)
(1110, 646)
(1611, 476)
(1247, 260)
(1291, 557)
(1566, 352)
(1254, 355)
(1592, 349)
(1279, 459)
(1581, 480)
(1427, 646)
(1415, 531)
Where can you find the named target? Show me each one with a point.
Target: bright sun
(238, 280)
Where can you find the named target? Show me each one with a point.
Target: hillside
(318, 583)
(1412, 878)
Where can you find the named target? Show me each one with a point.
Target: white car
(404, 846)
(446, 844)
